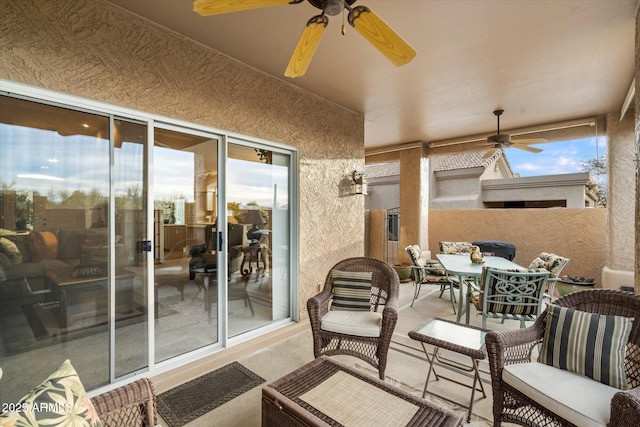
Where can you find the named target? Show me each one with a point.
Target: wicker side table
(326, 392)
(462, 339)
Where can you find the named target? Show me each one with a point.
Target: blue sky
(43, 160)
(556, 157)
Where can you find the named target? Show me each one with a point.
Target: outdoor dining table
(460, 265)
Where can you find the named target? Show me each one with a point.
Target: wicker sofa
(532, 394)
(25, 256)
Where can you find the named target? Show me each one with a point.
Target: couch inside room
(26, 255)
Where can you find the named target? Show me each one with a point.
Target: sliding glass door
(72, 214)
(185, 184)
(122, 247)
(257, 190)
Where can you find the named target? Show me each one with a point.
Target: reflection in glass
(185, 287)
(131, 333)
(54, 244)
(66, 249)
(258, 216)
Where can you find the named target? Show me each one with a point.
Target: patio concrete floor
(407, 365)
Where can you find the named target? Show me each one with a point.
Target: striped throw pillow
(589, 344)
(351, 290)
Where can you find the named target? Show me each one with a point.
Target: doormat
(195, 398)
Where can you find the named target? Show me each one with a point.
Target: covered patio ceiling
(542, 61)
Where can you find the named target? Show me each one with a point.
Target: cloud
(528, 166)
(556, 158)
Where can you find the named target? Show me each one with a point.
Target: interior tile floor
(407, 364)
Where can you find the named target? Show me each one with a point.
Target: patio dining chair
(356, 311)
(429, 272)
(510, 294)
(455, 247)
(553, 264)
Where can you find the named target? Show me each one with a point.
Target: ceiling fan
(367, 23)
(503, 140)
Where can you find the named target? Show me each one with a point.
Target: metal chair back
(512, 294)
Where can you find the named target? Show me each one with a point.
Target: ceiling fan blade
(526, 148)
(306, 47)
(489, 153)
(217, 7)
(381, 35)
(529, 140)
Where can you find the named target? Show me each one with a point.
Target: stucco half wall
(579, 234)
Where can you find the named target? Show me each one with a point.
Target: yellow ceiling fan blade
(526, 148)
(381, 35)
(306, 47)
(489, 153)
(217, 7)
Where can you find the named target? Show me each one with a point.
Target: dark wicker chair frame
(507, 347)
(132, 405)
(384, 292)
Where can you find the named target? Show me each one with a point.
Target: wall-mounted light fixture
(359, 183)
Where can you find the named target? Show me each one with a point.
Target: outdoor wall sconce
(359, 183)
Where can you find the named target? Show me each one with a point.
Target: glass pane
(54, 244)
(185, 195)
(258, 242)
(131, 333)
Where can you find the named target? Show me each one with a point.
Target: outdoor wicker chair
(519, 403)
(364, 333)
(132, 405)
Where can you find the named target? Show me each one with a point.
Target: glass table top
(452, 333)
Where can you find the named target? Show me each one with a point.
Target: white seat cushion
(360, 323)
(578, 399)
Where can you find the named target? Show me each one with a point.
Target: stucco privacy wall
(579, 234)
(95, 50)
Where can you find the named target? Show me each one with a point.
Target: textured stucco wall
(383, 196)
(575, 233)
(621, 192)
(92, 49)
(414, 199)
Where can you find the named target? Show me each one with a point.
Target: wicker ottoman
(327, 392)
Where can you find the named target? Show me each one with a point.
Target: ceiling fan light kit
(333, 7)
(365, 22)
